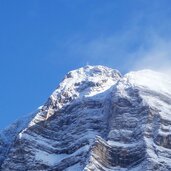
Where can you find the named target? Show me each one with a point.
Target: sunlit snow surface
(160, 86)
(150, 80)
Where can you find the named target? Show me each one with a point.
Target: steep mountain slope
(97, 120)
(8, 136)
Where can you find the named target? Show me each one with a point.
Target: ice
(121, 144)
(49, 159)
(53, 159)
(75, 167)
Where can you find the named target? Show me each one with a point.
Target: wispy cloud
(126, 51)
(142, 41)
(156, 55)
(112, 50)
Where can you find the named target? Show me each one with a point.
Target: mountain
(96, 120)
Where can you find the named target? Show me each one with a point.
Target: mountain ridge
(97, 119)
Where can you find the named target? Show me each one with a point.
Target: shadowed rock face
(96, 120)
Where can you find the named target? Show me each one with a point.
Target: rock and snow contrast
(96, 120)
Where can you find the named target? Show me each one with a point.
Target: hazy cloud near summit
(141, 39)
(128, 50)
(157, 56)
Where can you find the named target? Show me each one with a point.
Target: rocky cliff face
(96, 120)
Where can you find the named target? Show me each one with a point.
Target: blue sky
(40, 41)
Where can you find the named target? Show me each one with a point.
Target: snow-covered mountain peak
(83, 83)
(87, 81)
(96, 120)
(89, 73)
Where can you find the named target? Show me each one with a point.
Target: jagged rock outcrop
(97, 120)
